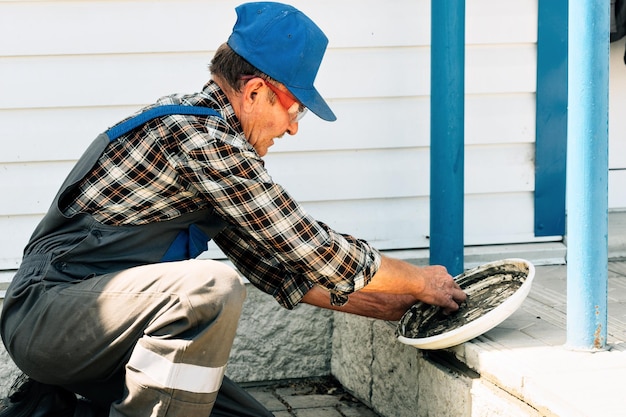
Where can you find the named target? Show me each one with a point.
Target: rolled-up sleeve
(271, 239)
(288, 282)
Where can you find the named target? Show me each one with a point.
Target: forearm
(430, 284)
(394, 288)
(374, 305)
(398, 277)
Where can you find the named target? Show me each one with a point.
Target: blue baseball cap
(283, 43)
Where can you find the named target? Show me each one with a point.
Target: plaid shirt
(178, 164)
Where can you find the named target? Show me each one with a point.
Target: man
(107, 303)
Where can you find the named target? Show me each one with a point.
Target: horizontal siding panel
(54, 134)
(117, 80)
(103, 27)
(397, 23)
(98, 80)
(5, 279)
(500, 219)
(16, 230)
(617, 188)
(364, 73)
(489, 70)
(501, 69)
(405, 122)
(349, 175)
(141, 26)
(487, 123)
(499, 168)
(404, 222)
(617, 109)
(30, 188)
(376, 123)
(386, 223)
(371, 23)
(392, 173)
(498, 22)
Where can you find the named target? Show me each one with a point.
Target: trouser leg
(234, 401)
(172, 325)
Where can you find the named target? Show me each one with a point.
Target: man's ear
(250, 93)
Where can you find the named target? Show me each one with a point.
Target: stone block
(8, 370)
(273, 343)
(352, 353)
(489, 400)
(318, 412)
(298, 401)
(396, 369)
(443, 391)
(266, 397)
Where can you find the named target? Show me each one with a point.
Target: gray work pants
(148, 341)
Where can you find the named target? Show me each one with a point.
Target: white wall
(69, 69)
(617, 126)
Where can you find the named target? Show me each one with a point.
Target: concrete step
(520, 368)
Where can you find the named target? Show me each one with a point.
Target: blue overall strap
(138, 120)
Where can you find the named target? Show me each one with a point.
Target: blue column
(551, 125)
(447, 157)
(587, 174)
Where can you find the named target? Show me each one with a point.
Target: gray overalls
(124, 315)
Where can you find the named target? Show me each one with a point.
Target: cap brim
(313, 101)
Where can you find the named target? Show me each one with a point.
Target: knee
(231, 286)
(219, 286)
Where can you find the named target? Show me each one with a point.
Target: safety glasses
(295, 109)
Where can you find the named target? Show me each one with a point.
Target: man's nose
(292, 129)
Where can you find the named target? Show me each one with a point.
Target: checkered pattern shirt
(178, 164)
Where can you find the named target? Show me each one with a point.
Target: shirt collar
(225, 108)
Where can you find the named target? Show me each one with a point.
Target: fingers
(459, 295)
(447, 293)
(454, 300)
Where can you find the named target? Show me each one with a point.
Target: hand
(440, 289)
(430, 284)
